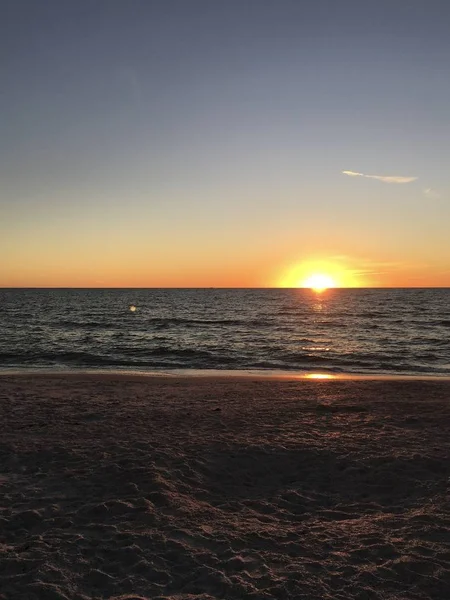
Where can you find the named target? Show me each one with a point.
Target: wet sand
(208, 488)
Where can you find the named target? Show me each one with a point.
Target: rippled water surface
(361, 331)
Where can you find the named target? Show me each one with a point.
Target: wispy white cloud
(384, 178)
(431, 193)
(353, 174)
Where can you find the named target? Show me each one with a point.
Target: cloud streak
(384, 178)
(430, 193)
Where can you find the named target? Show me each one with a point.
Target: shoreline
(217, 374)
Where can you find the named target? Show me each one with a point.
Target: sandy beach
(208, 488)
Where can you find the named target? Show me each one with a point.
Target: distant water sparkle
(367, 331)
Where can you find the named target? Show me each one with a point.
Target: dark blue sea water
(395, 331)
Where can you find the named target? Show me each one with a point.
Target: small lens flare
(132, 308)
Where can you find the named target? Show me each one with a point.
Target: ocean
(365, 331)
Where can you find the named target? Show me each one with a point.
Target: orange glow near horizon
(132, 266)
(320, 376)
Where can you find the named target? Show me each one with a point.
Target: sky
(237, 143)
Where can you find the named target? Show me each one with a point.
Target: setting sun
(319, 282)
(322, 274)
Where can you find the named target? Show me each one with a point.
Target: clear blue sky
(202, 142)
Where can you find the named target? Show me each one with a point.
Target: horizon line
(384, 287)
